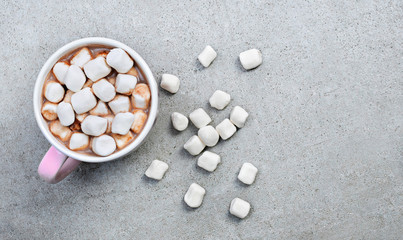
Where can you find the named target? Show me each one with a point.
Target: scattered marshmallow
(250, 59)
(219, 99)
(120, 104)
(75, 78)
(247, 174)
(133, 71)
(238, 116)
(207, 56)
(49, 111)
(79, 141)
(140, 118)
(60, 70)
(239, 208)
(81, 57)
(226, 129)
(65, 113)
(83, 101)
(208, 161)
(100, 109)
(94, 125)
(54, 92)
(60, 131)
(125, 83)
(122, 122)
(67, 96)
(179, 121)
(104, 90)
(81, 117)
(123, 140)
(97, 69)
(199, 118)
(141, 96)
(170, 83)
(194, 196)
(156, 170)
(103, 145)
(194, 145)
(119, 60)
(208, 135)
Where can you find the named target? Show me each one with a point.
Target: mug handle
(55, 166)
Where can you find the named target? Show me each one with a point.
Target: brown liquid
(95, 50)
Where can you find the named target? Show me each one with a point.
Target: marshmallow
(239, 208)
(49, 111)
(123, 140)
(156, 170)
(67, 96)
(179, 121)
(133, 71)
(208, 135)
(81, 117)
(83, 101)
(208, 161)
(194, 196)
(226, 129)
(104, 90)
(100, 109)
(194, 145)
(140, 118)
(199, 118)
(250, 59)
(79, 141)
(81, 57)
(65, 114)
(238, 116)
(122, 122)
(54, 92)
(60, 131)
(74, 78)
(119, 60)
(94, 125)
(60, 70)
(219, 99)
(120, 104)
(170, 83)
(125, 83)
(97, 69)
(141, 96)
(103, 145)
(247, 174)
(207, 56)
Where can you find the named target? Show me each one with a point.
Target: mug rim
(47, 67)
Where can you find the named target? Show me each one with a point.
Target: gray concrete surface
(325, 126)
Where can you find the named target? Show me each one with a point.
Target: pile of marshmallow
(209, 136)
(88, 105)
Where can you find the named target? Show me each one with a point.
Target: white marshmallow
(60, 70)
(247, 174)
(104, 90)
(140, 118)
(100, 109)
(199, 118)
(208, 135)
(83, 101)
(103, 145)
(81, 57)
(94, 125)
(74, 78)
(123, 140)
(179, 121)
(49, 111)
(122, 122)
(141, 96)
(79, 141)
(251, 58)
(208, 161)
(156, 170)
(54, 92)
(125, 83)
(97, 69)
(207, 56)
(120, 104)
(239, 208)
(238, 116)
(119, 60)
(170, 83)
(60, 131)
(194, 196)
(194, 145)
(65, 113)
(81, 117)
(219, 99)
(226, 129)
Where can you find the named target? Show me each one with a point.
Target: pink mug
(60, 161)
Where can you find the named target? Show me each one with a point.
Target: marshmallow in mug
(120, 104)
(122, 122)
(83, 101)
(100, 109)
(49, 111)
(125, 83)
(207, 56)
(94, 125)
(194, 195)
(156, 170)
(97, 69)
(119, 60)
(170, 83)
(103, 145)
(81, 57)
(79, 141)
(209, 161)
(54, 92)
(141, 96)
(251, 58)
(122, 140)
(65, 113)
(60, 70)
(104, 90)
(74, 78)
(60, 131)
(140, 118)
(199, 118)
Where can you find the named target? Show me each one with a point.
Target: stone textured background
(325, 126)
